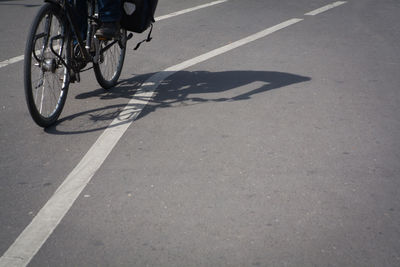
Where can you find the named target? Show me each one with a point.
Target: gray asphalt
(283, 152)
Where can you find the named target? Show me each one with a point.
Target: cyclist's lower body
(109, 14)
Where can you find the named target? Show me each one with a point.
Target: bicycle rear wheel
(46, 78)
(112, 56)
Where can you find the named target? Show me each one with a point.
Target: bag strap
(148, 39)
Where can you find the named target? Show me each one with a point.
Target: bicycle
(56, 53)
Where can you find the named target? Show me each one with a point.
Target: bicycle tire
(46, 94)
(109, 67)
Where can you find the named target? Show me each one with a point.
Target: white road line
(36, 233)
(189, 10)
(11, 61)
(325, 8)
(174, 14)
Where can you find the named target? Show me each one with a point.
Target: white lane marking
(174, 14)
(189, 10)
(11, 61)
(325, 8)
(233, 45)
(21, 252)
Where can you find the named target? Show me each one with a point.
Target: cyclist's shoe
(108, 31)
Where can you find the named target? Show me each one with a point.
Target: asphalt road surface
(247, 133)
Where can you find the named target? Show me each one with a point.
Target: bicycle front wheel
(109, 65)
(46, 78)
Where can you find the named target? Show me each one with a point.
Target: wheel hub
(49, 64)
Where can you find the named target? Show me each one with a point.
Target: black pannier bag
(138, 15)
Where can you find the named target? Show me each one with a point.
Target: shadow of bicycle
(180, 89)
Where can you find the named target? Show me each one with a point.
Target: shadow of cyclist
(180, 89)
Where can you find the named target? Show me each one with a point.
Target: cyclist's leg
(81, 16)
(109, 10)
(110, 14)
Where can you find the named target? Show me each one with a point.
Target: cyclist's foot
(107, 31)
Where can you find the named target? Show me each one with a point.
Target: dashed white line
(325, 8)
(189, 10)
(36, 233)
(11, 61)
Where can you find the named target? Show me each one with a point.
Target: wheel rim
(48, 74)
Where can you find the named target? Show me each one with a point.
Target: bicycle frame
(70, 9)
(84, 48)
(73, 30)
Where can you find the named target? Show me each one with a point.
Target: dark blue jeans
(109, 11)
